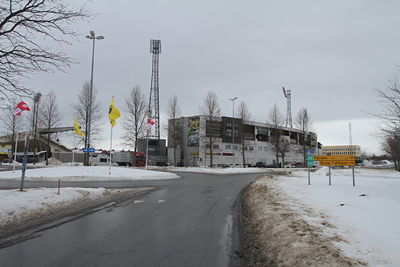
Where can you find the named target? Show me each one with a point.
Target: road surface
(185, 222)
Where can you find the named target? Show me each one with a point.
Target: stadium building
(193, 147)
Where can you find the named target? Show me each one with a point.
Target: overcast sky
(331, 54)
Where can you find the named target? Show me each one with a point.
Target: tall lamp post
(93, 37)
(233, 129)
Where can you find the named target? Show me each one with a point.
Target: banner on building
(194, 132)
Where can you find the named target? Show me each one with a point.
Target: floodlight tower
(288, 95)
(154, 103)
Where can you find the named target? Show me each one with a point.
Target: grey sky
(331, 54)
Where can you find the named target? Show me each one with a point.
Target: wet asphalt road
(185, 222)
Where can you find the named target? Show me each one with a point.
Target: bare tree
(275, 119)
(81, 110)
(303, 123)
(134, 122)
(11, 123)
(173, 114)
(212, 111)
(50, 118)
(27, 29)
(284, 148)
(244, 115)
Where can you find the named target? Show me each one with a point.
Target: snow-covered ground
(17, 206)
(87, 173)
(217, 170)
(367, 216)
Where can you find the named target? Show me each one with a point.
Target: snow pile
(86, 173)
(222, 170)
(17, 206)
(366, 216)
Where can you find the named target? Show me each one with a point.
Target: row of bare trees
(390, 128)
(281, 146)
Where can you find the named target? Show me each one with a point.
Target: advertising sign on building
(193, 132)
(5, 149)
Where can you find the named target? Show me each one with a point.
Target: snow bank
(87, 173)
(17, 206)
(367, 216)
(221, 170)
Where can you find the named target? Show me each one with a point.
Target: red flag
(20, 107)
(150, 123)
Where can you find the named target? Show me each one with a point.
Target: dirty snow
(366, 217)
(17, 206)
(218, 170)
(87, 173)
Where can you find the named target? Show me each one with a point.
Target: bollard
(59, 183)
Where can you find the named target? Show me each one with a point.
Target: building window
(235, 147)
(228, 147)
(251, 148)
(229, 125)
(216, 146)
(265, 148)
(260, 148)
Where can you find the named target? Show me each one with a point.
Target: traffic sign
(336, 157)
(309, 152)
(337, 163)
(310, 163)
(88, 149)
(310, 158)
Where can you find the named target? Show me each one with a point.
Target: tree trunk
(48, 147)
(211, 153)
(243, 156)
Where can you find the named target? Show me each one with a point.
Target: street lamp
(93, 37)
(233, 129)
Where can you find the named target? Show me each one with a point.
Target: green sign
(310, 163)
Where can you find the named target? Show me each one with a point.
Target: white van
(101, 160)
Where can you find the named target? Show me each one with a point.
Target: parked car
(259, 165)
(223, 165)
(273, 165)
(287, 165)
(162, 163)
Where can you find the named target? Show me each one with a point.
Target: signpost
(310, 163)
(336, 160)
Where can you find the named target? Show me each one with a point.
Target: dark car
(259, 165)
(272, 165)
(223, 165)
(162, 163)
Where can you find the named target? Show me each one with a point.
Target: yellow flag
(76, 129)
(113, 113)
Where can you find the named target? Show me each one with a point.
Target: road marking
(161, 201)
(138, 201)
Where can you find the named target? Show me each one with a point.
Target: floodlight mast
(288, 95)
(154, 102)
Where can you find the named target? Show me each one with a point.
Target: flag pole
(109, 169)
(15, 152)
(147, 142)
(73, 151)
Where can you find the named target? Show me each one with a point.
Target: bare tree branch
(28, 28)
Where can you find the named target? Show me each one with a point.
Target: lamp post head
(92, 34)
(100, 37)
(233, 99)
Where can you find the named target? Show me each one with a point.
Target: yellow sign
(5, 149)
(337, 163)
(194, 153)
(335, 157)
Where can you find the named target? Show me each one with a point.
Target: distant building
(342, 150)
(193, 148)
